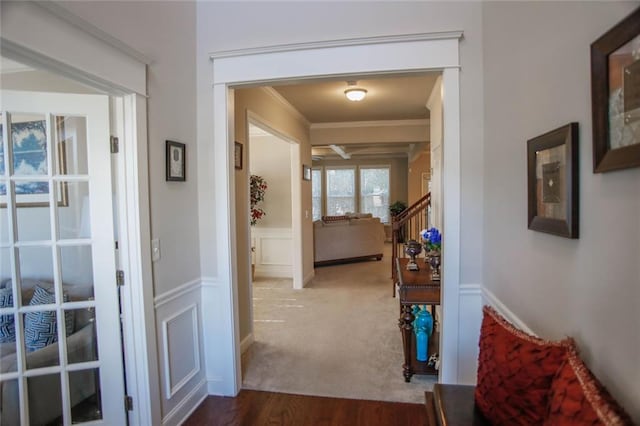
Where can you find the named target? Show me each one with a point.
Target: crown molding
(62, 13)
(443, 35)
(378, 123)
(282, 101)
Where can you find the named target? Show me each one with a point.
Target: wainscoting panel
(180, 351)
(469, 332)
(273, 255)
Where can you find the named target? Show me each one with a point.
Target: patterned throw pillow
(327, 219)
(515, 372)
(7, 322)
(40, 328)
(577, 398)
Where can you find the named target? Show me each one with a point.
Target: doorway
(417, 53)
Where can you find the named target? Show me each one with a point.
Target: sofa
(347, 238)
(45, 390)
(525, 380)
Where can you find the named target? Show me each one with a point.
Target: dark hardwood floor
(269, 408)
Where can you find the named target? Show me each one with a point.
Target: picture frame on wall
(615, 96)
(175, 161)
(237, 155)
(552, 182)
(306, 172)
(29, 150)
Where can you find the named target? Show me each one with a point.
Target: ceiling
(388, 98)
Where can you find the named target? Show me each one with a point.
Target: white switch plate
(155, 249)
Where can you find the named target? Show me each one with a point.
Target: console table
(416, 288)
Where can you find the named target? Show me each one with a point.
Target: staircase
(407, 226)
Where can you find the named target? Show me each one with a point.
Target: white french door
(60, 346)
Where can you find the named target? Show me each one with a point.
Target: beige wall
(279, 118)
(537, 78)
(414, 181)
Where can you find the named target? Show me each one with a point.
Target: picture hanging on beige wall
(615, 96)
(552, 167)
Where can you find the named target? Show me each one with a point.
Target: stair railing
(407, 226)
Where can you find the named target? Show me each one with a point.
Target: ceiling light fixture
(355, 94)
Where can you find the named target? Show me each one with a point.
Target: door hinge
(128, 403)
(115, 145)
(120, 278)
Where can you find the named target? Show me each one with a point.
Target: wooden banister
(406, 226)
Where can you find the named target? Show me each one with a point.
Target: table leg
(406, 327)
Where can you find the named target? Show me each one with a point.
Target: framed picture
(29, 140)
(306, 172)
(552, 169)
(176, 162)
(615, 96)
(237, 155)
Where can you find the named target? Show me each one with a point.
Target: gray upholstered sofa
(45, 390)
(347, 238)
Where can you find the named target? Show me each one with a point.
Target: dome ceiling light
(353, 93)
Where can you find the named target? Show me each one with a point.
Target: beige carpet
(338, 337)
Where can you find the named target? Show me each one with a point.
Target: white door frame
(296, 193)
(342, 58)
(79, 55)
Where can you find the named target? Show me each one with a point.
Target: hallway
(338, 337)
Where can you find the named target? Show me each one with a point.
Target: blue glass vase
(423, 328)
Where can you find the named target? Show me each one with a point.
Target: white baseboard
(217, 386)
(246, 342)
(490, 299)
(183, 410)
(274, 271)
(310, 276)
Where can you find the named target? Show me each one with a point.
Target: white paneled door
(60, 345)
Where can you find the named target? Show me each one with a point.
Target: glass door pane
(374, 192)
(57, 269)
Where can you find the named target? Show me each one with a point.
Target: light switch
(155, 249)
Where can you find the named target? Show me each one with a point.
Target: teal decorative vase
(423, 328)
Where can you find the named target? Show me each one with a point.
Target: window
(316, 193)
(341, 191)
(374, 192)
(363, 189)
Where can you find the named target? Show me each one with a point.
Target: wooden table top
(417, 287)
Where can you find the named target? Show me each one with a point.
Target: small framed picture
(552, 168)
(237, 155)
(306, 172)
(176, 163)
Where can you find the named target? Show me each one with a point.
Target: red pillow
(515, 372)
(577, 398)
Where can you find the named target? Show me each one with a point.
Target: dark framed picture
(237, 155)
(552, 169)
(176, 163)
(306, 172)
(615, 96)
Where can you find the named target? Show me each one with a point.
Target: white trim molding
(181, 412)
(381, 123)
(488, 298)
(170, 388)
(246, 343)
(402, 38)
(285, 103)
(339, 58)
(176, 293)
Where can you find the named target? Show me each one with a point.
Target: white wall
(537, 78)
(269, 157)
(165, 32)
